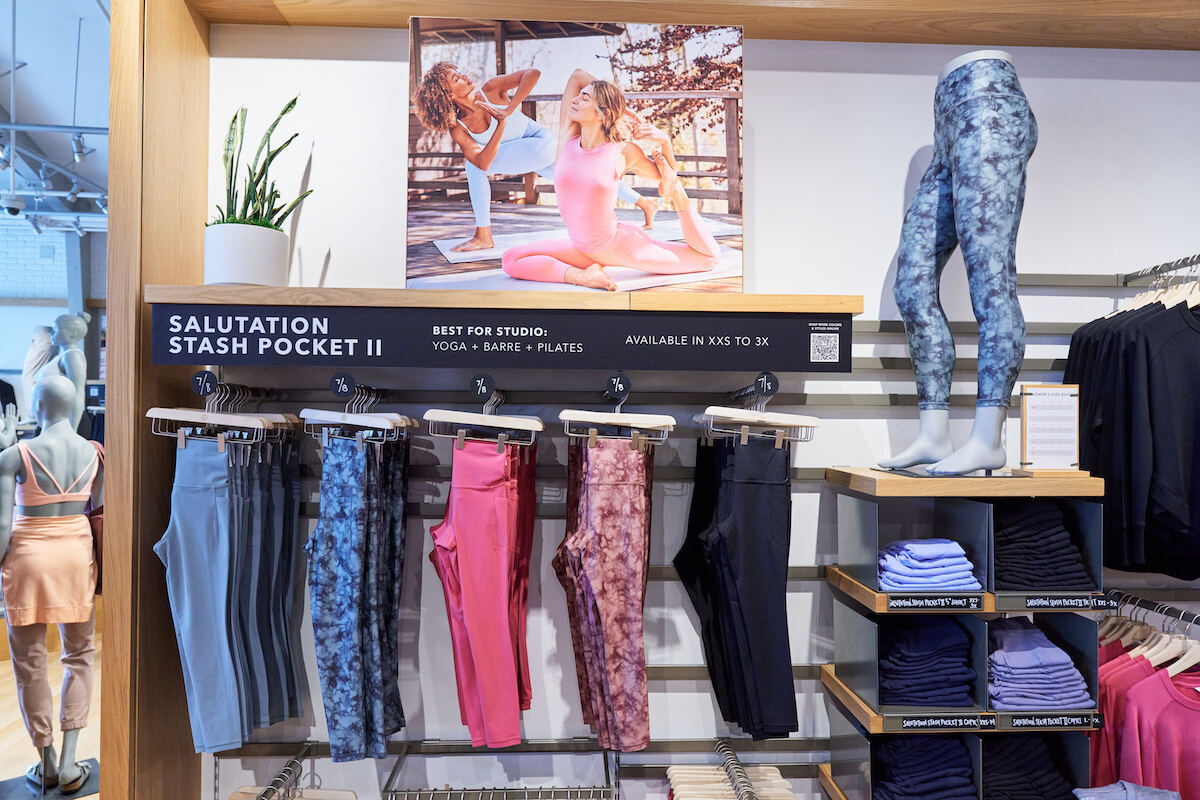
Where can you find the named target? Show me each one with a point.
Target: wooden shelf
(884, 484)
(895, 603)
(1148, 24)
(423, 298)
(828, 786)
(969, 720)
(949, 720)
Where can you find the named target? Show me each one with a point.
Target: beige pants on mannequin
(28, 646)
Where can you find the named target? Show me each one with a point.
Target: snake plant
(259, 201)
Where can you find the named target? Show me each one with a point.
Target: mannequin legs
(971, 198)
(983, 450)
(932, 443)
(68, 770)
(27, 644)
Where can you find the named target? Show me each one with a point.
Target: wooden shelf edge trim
(828, 784)
(425, 298)
(1155, 24)
(877, 602)
(862, 712)
(881, 484)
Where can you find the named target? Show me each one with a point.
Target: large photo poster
(574, 156)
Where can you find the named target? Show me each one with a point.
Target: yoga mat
(627, 279)
(666, 229)
(21, 789)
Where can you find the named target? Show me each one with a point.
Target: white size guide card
(1049, 426)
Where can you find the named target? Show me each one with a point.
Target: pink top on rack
(1106, 741)
(1110, 651)
(30, 493)
(1159, 746)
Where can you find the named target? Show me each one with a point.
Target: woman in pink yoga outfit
(591, 160)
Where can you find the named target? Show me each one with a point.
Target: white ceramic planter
(237, 253)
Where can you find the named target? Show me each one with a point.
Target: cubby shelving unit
(874, 506)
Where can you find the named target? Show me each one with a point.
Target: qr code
(823, 348)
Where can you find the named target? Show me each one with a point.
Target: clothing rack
(606, 792)
(285, 780)
(742, 786)
(1165, 609)
(1160, 269)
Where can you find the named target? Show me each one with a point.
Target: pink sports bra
(30, 493)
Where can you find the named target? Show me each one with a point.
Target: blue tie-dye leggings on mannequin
(971, 195)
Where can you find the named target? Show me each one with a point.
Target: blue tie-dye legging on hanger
(971, 195)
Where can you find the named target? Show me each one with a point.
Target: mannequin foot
(972, 456)
(44, 773)
(81, 771)
(649, 207)
(925, 450)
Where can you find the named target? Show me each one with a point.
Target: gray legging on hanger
(971, 195)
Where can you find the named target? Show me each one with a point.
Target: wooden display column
(158, 172)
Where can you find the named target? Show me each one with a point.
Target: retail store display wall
(836, 136)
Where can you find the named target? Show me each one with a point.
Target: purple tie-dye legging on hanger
(602, 566)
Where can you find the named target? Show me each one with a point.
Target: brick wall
(32, 264)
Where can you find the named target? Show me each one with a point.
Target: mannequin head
(69, 329)
(53, 399)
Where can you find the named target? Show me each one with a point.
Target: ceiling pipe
(59, 168)
(35, 127)
(12, 101)
(59, 193)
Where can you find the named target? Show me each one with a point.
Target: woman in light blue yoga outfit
(496, 138)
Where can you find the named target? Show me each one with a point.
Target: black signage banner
(295, 336)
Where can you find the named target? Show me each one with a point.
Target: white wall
(836, 136)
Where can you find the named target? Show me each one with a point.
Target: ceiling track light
(78, 150)
(78, 226)
(33, 223)
(73, 193)
(44, 174)
(102, 201)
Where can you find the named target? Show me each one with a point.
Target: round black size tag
(766, 384)
(204, 383)
(482, 386)
(617, 387)
(342, 384)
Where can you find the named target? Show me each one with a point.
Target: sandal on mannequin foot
(85, 772)
(34, 777)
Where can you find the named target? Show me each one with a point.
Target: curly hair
(610, 102)
(433, 103)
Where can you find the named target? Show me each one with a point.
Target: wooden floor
(16, 751)
(447, 219)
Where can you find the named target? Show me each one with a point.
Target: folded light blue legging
(533, 152)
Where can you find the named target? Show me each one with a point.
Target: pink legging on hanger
(586, 183)
(481, 555)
